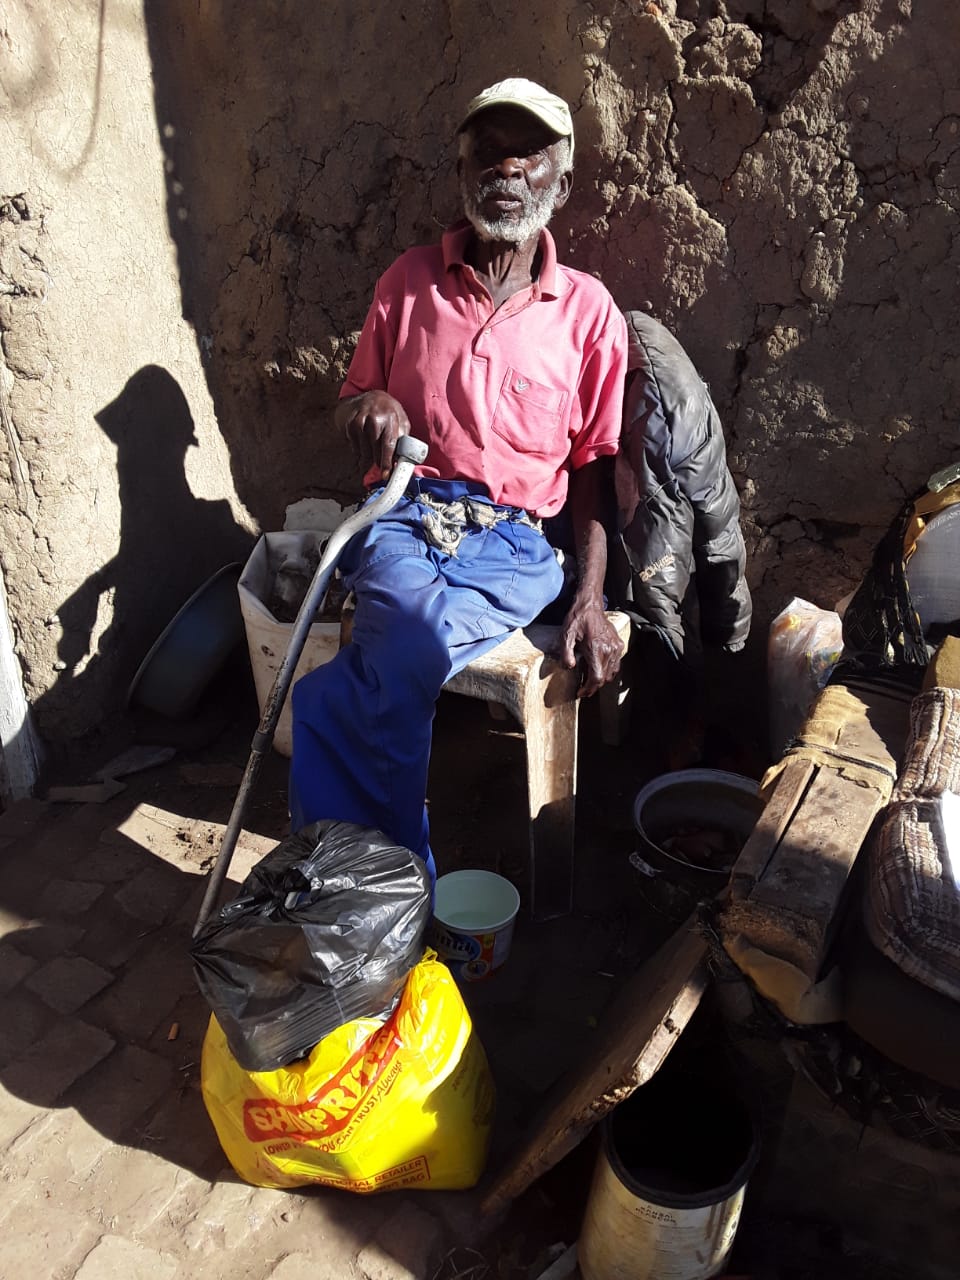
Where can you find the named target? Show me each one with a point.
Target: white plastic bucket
(473, 918)
(669, 1184)
(267, 637)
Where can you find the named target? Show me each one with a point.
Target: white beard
(537, 210)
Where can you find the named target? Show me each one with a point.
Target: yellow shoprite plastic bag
(377, 1105)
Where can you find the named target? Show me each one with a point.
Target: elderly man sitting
(511, 368)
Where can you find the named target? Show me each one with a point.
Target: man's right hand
(374, 422)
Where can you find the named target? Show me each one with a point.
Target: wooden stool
(521, 675)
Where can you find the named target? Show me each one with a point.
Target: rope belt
(446, 524)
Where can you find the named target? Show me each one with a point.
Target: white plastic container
(267, 637)
(473, 918)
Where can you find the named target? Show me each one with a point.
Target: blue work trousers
(362, 723)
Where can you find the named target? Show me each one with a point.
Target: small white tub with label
(473, 919)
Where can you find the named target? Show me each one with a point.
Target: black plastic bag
(325, 930)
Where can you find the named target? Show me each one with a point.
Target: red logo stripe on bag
(333, 1106)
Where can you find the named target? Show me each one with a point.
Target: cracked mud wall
(115, 480)
(777, 181)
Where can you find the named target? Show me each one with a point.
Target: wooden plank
(815, 858)
(634, 1038)
(792, 910)
(811, 832)
(782, 934)
(761, 846)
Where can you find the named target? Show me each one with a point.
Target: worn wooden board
(791, 910)
(817, 853)
(771, 825)
(791, 877)
(635, 1036)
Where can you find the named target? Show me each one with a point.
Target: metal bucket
(669, 1184)
(725, 804)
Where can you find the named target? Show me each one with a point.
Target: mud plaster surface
(777, 182)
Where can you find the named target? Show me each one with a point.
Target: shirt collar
(550, 280)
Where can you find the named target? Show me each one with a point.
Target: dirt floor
(535, 1017)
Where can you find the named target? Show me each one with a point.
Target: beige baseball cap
(532, 97)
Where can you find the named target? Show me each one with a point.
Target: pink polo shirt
(514, 397)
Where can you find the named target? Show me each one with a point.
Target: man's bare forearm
(587, 492)
(586, 632)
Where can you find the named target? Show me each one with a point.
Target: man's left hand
(587, 633)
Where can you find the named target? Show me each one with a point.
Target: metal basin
(712, 799)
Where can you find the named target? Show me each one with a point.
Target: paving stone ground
(108, 1163)
(110, 1167)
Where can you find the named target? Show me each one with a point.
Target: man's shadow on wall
(170, 543)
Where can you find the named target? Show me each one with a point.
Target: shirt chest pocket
(529, 414)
